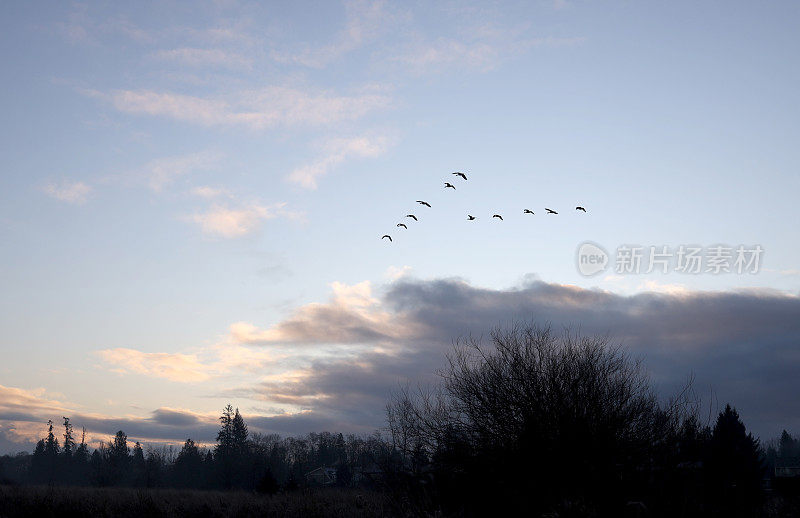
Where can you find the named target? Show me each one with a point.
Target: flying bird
(387, 235)
(424, 203)
(580, 208)
(527, 211)
(498, 216)
(448, 184)
(402, 225)
(470, 217)
(462, 175)
(550, 211)
(412, 217)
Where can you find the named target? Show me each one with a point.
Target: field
(18, 501)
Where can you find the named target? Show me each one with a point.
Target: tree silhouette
(557, 424)
(535, 418)
(38, 465)
(69, 439)
(188, 466)
(44, 463)
(231, 448)
(238, 434)
(118, 458)
(138, 466)
(788, 446)
(734, 465)
(51, 448)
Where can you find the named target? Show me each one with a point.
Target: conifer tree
(69, 439)
(51, 447)
(734, 465)
(137, 466)
(224, 450)
(238, 434)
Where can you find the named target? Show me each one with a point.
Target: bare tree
(532, 411)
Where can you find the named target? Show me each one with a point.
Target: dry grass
(62, 502)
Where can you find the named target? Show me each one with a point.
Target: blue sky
(185, 187)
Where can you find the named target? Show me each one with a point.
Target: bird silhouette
(462, 175)
(550, 211)
(402, 225)
(498, 216)
(412, 217)
(387, 235)
(450, 185)
(580, 208)
(424, 203)
(527, 211)
(470, 218)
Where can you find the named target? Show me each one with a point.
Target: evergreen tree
(188, 467)
(138, 476)
(788, 446)
(734, 466)
(154, 467)
(231, 452)
(80, 461)
(50, 455)
(119, 446)
(99, 468)
(224, 450)
(138, 454)
(69, 439)
(225, 434)
(209, 475)
(118, 457)
(51, 448)
(238, 433)
(38, 463)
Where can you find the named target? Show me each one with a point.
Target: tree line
(569, 425)
(556, 424)
(239, 460)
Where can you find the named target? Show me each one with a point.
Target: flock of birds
(470, 217)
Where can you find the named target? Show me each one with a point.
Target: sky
(193, 194)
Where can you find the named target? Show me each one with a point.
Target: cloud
(352, 316)
(20, 432)
(171, 366)
(204, 364)
(162, 172)
(394, 273)
(232, 222)
(481, 54)
(207, 192)
(23, 414)
(197, 57)
(425, 55)
(16, 402)
(741, 343)
(365, 20)
(744, 344)
(170, 417)
(256, 109)
(337, 151)
(70, 192)
(163, 425)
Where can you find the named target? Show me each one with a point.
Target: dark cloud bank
(743, 345)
